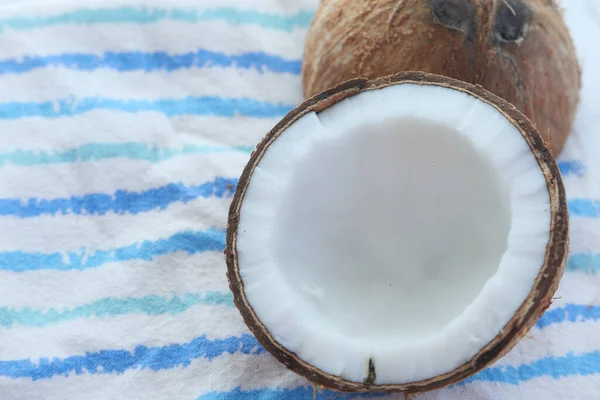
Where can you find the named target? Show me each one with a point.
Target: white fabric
(123, 129)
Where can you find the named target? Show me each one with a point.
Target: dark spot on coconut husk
(459, 15)
(512, 21)
(371, 376)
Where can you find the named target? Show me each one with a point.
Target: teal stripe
(105, 151)
(584, 262)
(149, 15)
(111, 307)
(205, 105)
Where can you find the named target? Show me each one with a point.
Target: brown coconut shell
(537, 301)
(519, 50)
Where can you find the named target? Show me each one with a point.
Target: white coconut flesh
(404, 225)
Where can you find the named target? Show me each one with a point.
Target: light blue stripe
(584, 208)
(112, 307)
(149, 15)
(548, 367)
(106, 151)
(148, 62)
(569, 313)
(299, 393)
(572, 168)
(120, 202)
(157, 305)
(142, 357)
(191, 242)
(584, 262)
(209, 105)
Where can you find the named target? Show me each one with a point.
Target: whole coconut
(520, 50)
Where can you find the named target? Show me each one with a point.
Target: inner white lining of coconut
(404, 225)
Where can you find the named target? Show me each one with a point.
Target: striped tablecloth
(123, 129)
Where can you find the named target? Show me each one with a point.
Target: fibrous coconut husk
(519, 50)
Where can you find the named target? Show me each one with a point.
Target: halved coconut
(398, 234)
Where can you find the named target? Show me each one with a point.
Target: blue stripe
(572, 168)
(120, 202)
(112, 307)
(570, 313)
(189, 241)
(584, 208)
(142, 357)
(208, 105)
(552, 367)
(106, 151)
(192, 242)
(147, 15)
(299, 393)
(157, 61)
(181, 355)
(584, 262)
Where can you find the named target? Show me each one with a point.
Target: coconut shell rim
(531, 309)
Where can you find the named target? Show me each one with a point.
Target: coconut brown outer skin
(537, 301)
(537, 72)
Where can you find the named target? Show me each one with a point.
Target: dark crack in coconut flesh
(397, 234)
(519, 50)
